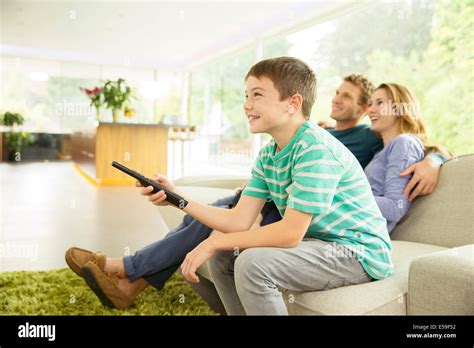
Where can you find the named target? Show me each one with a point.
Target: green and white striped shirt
(317, 174)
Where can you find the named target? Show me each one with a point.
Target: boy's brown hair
(366, 87)
(289, 76)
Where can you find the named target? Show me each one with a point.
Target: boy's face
(345, 104)
(263, 107)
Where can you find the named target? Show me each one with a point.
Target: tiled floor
(47, 207)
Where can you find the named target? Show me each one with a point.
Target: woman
(395, 116)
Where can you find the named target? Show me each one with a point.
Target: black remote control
(171, 197)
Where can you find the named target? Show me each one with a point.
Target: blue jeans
(157, 262)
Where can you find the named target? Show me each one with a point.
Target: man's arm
(425, 172)
(425, 176)
(286, 233)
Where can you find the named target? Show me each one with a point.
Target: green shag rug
(62, 292)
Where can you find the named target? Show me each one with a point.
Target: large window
(48, 93)
(424, 45)
(223, 144)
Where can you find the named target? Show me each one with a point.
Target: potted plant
(116, 94)
(15, 140)
(95, 96)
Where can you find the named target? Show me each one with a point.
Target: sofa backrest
(446, 216)
(217, 181)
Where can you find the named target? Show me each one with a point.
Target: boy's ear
(296, 102)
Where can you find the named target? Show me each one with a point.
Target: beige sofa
(433, 254)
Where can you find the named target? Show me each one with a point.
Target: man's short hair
(289, 76)
(365, 85)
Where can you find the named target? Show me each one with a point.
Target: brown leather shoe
(76, 258)
(105, 287)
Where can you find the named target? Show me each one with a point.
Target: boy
(320, 190)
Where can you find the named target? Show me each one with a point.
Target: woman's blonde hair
(402, 103)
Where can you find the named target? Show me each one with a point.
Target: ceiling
(158, 34)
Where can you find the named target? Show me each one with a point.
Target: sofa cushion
(443, 217)
(387, 296)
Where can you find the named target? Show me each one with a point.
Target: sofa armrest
(442, 283)
(217, 181)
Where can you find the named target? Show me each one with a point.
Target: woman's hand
(238, 190)
(159, 197)
(325, 124)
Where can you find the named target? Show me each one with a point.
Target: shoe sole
(92, 282)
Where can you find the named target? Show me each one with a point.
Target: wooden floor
(46, 208)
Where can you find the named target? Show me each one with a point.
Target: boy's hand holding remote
(158, 198)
